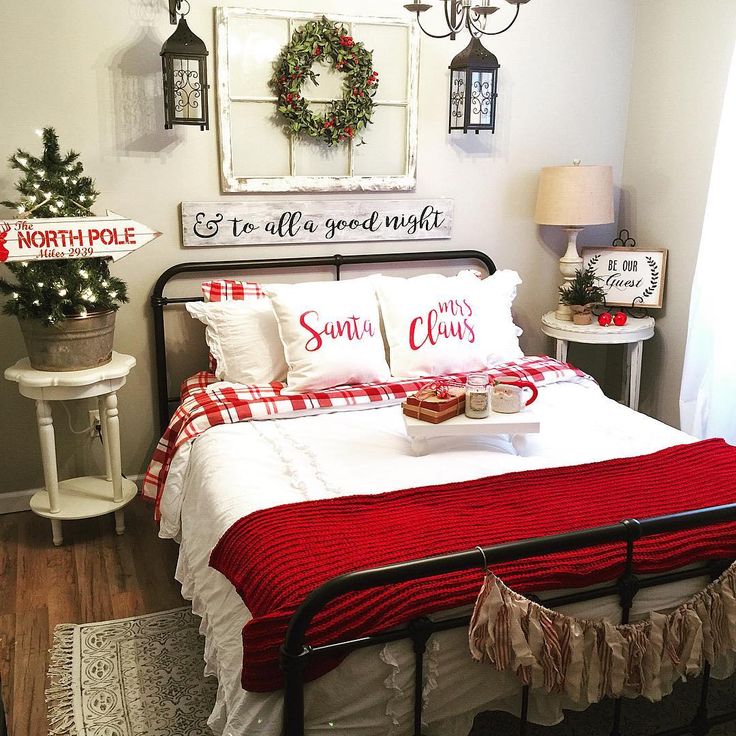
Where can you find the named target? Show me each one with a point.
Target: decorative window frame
(231, 182)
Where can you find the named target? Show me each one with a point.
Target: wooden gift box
(428, 407)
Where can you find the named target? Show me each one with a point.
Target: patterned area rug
(144, 677)
(130, 677)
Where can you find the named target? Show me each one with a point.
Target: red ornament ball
(604, 319)
(619, 319)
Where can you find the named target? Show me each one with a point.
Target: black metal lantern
(184, 65)
(473, 89)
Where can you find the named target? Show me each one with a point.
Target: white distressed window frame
(231, 182)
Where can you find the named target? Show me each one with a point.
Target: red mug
(507, 396)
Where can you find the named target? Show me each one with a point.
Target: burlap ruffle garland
(589, 660)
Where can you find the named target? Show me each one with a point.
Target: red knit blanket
(276, 556)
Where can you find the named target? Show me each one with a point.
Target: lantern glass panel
(187, 84)
(457, 99)
(482, 99)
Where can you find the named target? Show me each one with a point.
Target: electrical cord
(98, 429)
(69, 420)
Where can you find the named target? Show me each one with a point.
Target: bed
(416, 678)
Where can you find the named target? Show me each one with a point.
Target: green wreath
(326, 42)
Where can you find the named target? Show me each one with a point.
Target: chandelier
(474, 71)
(461, 14)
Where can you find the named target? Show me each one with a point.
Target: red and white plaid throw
(205, 405)
(198, 382)
(221, 290)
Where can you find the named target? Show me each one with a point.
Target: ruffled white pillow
(243, 338)
(437, 324)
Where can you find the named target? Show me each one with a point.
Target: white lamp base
(569, 263)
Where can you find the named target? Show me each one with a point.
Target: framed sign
(314, 221)
(258, 155)
(629, 276)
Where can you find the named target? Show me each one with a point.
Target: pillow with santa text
(331, 333)
(437, 324)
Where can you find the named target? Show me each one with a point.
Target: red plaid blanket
(204, 406)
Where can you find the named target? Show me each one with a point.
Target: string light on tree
(67, 192)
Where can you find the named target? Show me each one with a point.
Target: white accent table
(85, 497)
(632, 334)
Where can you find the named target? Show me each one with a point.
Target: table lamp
(572, 197)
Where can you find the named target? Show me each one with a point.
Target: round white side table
(632, 334)
(89, 496)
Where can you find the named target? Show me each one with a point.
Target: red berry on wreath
(604, 319)
(619, 319)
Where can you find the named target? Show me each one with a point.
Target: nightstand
(89, 496)
(632, 334)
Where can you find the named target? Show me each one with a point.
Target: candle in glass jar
(476, 396)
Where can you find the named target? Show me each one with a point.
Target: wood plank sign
(314, 221)
(113, 236)
(629, 276)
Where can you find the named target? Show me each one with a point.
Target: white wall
(92, 71)
(682, 56)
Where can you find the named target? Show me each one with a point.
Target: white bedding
(233, 470)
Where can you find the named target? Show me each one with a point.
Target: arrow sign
(54, 238)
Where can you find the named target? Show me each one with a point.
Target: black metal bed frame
(296, 652)
(159, 302)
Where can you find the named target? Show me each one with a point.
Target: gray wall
(94, 75)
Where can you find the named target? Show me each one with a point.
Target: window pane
(260, 147)
(253, 45)
(312, 157)
(385, 151)
(187, 88)
(481, 99)
(457, 99)
(390, 60)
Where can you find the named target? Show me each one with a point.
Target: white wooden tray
(523, 422)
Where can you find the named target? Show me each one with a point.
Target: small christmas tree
(583, 289)
(54, 186)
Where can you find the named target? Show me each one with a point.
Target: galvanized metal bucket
(72, 344)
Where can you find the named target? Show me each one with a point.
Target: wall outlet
(94, 423)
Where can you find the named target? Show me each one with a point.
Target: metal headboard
(159, 301)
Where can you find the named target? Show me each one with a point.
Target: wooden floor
(94, 576)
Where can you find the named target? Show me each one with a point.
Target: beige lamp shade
(575, 196)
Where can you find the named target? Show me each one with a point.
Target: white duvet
(232, 470)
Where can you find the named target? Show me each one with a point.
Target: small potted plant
(581, 294)
(66, 308)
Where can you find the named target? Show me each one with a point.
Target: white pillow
(243, 337)
(331, 333)
(437, 324)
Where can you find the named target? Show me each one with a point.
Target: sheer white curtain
(708, 392)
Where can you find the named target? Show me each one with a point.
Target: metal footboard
(296, 652)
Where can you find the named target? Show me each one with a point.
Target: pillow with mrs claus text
(437, 324)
